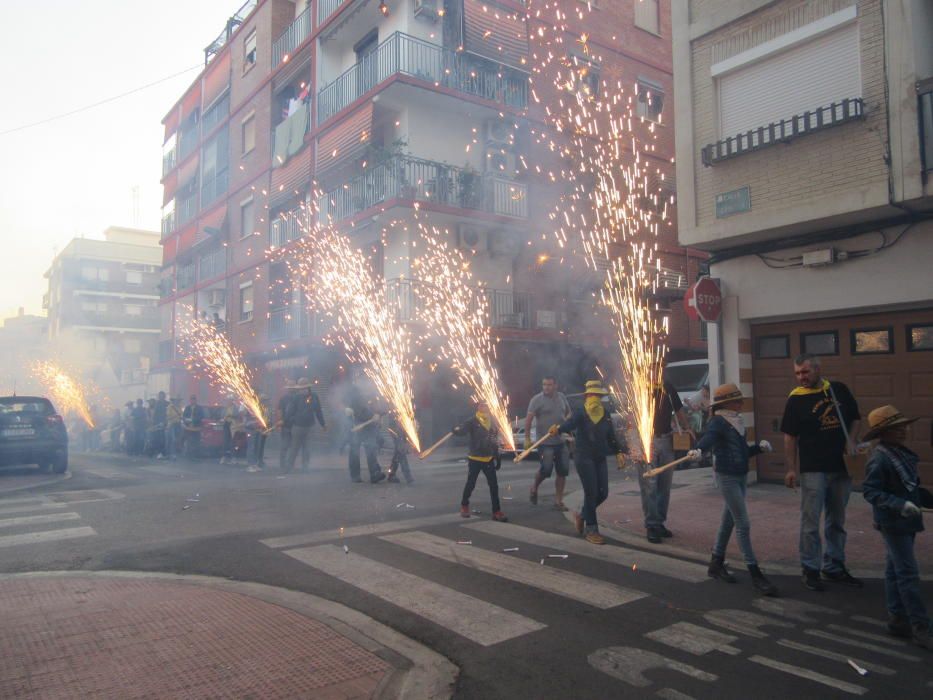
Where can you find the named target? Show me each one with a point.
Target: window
(133, 309)
(646, 16)
(249, 51)
(103, 274)
(920, 337)
(249, 134)
(587, 71)
(94, 307)
(873, 341)
(247, 222)
(132, 345)
(650, 100)
(133, 277)
(95, 273)
(773, 347)
(820, 343)
(246, 302)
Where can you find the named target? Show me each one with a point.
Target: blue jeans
(172, 438)
(656, 492)
(902, 580)
(829, 492)
(734, 515)
(594, 476)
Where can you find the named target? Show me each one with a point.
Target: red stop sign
(704, 300)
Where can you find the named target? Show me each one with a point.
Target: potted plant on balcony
(470, 191)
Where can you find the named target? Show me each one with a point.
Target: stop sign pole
(703, 302)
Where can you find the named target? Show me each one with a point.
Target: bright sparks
(210, 351)
(68, 394)
(458, 312)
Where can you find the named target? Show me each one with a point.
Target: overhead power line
(98, 104)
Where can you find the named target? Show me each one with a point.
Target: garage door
(883, 358)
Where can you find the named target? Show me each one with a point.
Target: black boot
(764, 586)
(717, 569)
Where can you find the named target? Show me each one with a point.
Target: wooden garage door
(883, 358)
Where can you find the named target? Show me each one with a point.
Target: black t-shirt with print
(814, 421)
(667, 403)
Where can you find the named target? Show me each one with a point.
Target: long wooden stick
(427, 453)
(670, 465)
(358, 428)
(524, 453)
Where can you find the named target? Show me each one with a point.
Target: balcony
(406, 177)
(402, 54)
(235, 20)
(168, 224)
(188, 138)
(325, 8)
(285, 229)
(213, 188)
(506, 308)
(186, 209)
(291, 323)
(216, 114)
(169, 160)
(297, 31)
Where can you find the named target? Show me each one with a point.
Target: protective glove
(694, 455)
(765, 446)
(553, 430)
(527, 442)
(910, 510)
(349, 412)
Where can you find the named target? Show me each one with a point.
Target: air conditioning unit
(217, 298)
(504, 243)
(499, 133)
(428, 9)
(500, 161)
(545, 318)
(470, 238)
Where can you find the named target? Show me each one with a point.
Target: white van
(687, 377)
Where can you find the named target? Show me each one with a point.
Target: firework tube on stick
(524, 453)
(428, 452)
(670, 465)
(358, 428)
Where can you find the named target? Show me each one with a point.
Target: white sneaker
(253, 468)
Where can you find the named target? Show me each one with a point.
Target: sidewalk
(774, 510)
(113, 634)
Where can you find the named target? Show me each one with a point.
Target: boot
(717, 569)
(764, 586)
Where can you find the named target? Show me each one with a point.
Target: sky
(75, 176)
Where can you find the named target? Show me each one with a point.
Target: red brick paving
(124, 638)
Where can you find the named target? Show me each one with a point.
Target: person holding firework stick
(595, 440)
(725, 435)
(483, 456)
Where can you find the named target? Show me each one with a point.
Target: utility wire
(98, 104)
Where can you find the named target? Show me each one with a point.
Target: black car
(31, 432)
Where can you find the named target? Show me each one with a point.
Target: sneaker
(533, 497)
(393, 480)
(654, 535)
(811, 579)
(921, 636)
(499, 517)
(379, 477)
(464, 511)
(665, 533)
(252, 468)
(578, 522)
(594, 538)
(843, 577)
(899, 627)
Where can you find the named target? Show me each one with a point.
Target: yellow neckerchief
(804, 391)
(484, 420)
(594, 408)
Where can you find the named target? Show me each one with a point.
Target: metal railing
(291, 322)
(212, 264)
(325, 8)
(407, 177)
(925, 114)
(217, 112)
(235, 20)
(188, 138)
(186, 276)
(213, 188)
(168, 224)
(505, 308)
(185, 209)
(285, 229)
(408, 55)
(169, 160)
(297, 31)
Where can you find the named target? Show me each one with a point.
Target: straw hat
(725, 394)
(289, 385)
(882, 419)
(594, 386)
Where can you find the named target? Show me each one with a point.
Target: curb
(13, 489)
(422, 673)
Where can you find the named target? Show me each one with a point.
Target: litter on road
(861, 671)
(557, 556)
(510, 549)
(464, 541)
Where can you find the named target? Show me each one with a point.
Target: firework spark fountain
(453, 307)
(211, 352)
(68, 393)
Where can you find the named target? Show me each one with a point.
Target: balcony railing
(407, 55)
(188, 140)
(289, 323)
(232, 23)
(212, 264)
(186, 209)
(285, 229)
(325, 8)
(186, 277)
(784, 131)
(213, 188)
(506, 308)
(216, 114)
(925, 113)
(168, 224)
(406, 177)
(169, 160)
(297, 31)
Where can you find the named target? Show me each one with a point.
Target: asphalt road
(601, 622)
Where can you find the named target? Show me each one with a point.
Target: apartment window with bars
(647, 16)
(650, 101)
(249, 51)
(246, 302)
(247, 220)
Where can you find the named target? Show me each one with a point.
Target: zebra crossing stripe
(861, 645)
(645, 561)
(845, 687)
(39, 519)
(29, 509)
(470, 617)
(46, 536)
(833, 656)
(868, 635)
(694, 639)
(359, 531)
(599, 594)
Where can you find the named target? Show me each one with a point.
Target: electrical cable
(98, 104)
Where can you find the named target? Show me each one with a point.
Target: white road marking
(861, 645)
(475, 619)
(809, 675)
(842, 658)
(46, 536)
(886, 639)
(19, 501)
(694, 639)
(105, 473)
(38, 519)
(629, 664)
(653, 563)
(671, 694)
(85, 496)
(29, 509)
(359, 530)
(744, 622)
(599, 594)
(875, 622)
(792, 609)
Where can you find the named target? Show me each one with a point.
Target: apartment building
(102, 308)
(804, 154)
(395, 116)
(23, 338)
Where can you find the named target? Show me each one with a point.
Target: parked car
(32, 432)
(212, 434)
(687, 377)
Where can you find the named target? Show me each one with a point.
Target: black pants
(489, 470)
(284, 445)
(594, 476)
(368, 443)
